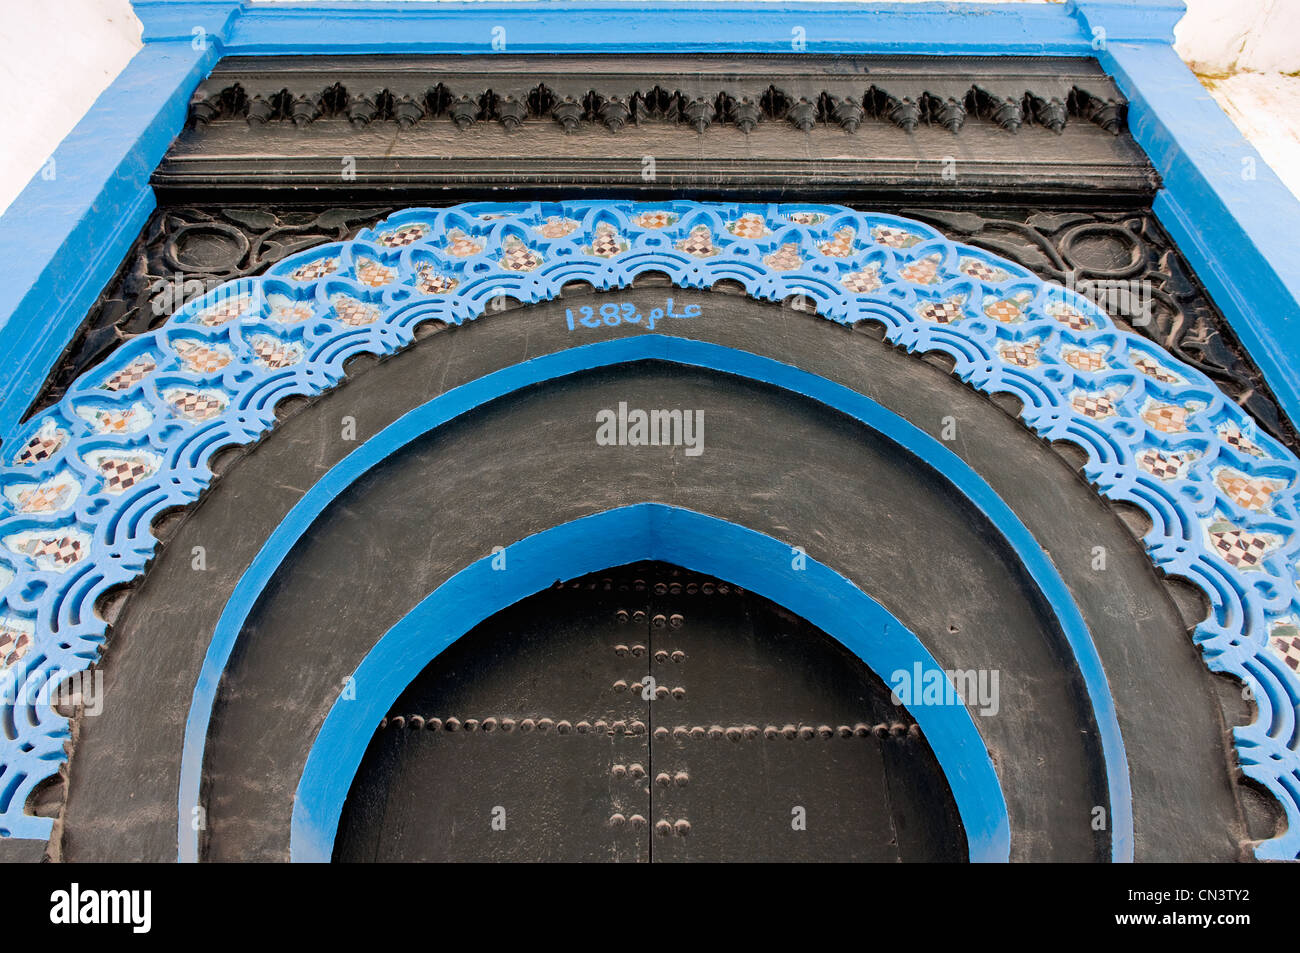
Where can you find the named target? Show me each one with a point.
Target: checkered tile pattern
(1286, 643)
(200, 359)
(400, 237)
(556, 227)
(1251, 493)
(1022, 355)
(519, 257)
(14, 644)
(1166, 418)
(1084, 360)
(1006, 311)
(699, 243)
(353, 312)
(1238, 440)
(1241, 548)
(1096, 406)
(63, 550)
(130, 375)
(291, 313)
(432, 283)
(372, 274)
(461, 245)
(748, 226)
(942, 312)
(655, 219)
(923, 272)
(862, 282)
(195, 406)
(113, 421)
(1154, 369)
(315, 269)
(122, 473)
(894, 237)
(43, 499)
(841, 246)
(607, 243)
(980, 271)
(41, 447)
(1072, 318)
(785, 258)
(224, 311)
(273, 354)
(1162, 466)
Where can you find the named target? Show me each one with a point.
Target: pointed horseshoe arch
(83, 481)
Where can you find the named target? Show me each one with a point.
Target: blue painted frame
(460, 400)
(63, 239)
(694, 541)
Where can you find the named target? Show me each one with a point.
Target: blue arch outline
(615, 537)
(459, 400)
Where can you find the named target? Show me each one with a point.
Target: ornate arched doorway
(648, 714)
(913, 489)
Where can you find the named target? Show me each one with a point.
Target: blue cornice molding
(178, 19)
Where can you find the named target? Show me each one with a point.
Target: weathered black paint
(543, 714)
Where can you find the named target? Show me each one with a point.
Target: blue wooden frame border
(64, 238)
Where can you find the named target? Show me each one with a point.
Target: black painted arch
(1170, 718)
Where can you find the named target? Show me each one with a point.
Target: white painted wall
(57, 56)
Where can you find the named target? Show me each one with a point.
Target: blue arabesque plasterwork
(81, 483)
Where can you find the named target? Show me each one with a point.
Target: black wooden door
(648, 713)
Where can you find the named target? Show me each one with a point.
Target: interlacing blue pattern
(82, 482)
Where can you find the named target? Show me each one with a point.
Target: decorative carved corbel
(305, 108)
(745, 113)
(361, 110)
(1051, 113)
(947, 112)
(699, 113)
(203, 109)
(802, 115)
(568, 113)
(260, 111)
(848, 113)
(464, 111)
(511, 112)
(614, 113)
(1107, 113)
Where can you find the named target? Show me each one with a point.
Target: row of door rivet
(896, 729)
(638, 650)
(681, 779)
(681, 827)
(659, 620)
(618, 820)
(510, 724)
(661, 691)
(660, 588)
(635, 771)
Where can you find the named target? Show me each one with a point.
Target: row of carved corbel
(700, 112)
